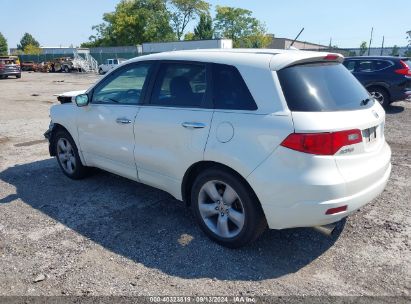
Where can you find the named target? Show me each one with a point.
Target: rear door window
(366, 66)
(229, 89)
(180, 85)
(322, 87)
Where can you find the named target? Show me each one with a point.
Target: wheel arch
(194, 170)
(52, 147)
(381, 86)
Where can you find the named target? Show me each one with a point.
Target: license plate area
(370, 135)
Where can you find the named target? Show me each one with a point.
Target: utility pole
(369, 46)
(382, 45)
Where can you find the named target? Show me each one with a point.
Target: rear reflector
(322, 143)
(336, 210)
(405, 69)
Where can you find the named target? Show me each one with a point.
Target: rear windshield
(7, 61)
(322, 87)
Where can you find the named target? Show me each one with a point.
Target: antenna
(292, 43)
(369, 46)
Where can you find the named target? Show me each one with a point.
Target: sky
(348, 23)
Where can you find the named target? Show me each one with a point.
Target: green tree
(352, 53)
(395, 51)
(409, 37)
(3, 45)
(189, 36)
(407, 53)
(363, 48)
(133, 22)
(32, 50)
(184, 11)
(204, 29)
(239, 25)
(26, 40)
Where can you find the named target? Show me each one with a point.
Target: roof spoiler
(283, 60)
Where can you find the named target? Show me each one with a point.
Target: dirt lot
(109, 236)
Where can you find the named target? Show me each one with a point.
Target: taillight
(405, 69)
(331, 57)
(2, 66)
(322, 143)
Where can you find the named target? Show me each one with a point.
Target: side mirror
(81, 100)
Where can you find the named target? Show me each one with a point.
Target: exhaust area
(327, 230)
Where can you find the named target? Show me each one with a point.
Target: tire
(226, 208)
(18, 76)
(67, 155)
(66, 69)
(381, 95)
(100, 71)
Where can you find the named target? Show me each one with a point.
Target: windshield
(322, 87)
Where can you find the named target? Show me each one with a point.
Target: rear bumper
(309, 214)
(10, 73)
(296, 190)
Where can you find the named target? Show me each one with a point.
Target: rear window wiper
(364, 102)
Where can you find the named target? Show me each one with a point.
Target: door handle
(123, 121)
(193, 125)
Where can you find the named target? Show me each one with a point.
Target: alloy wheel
(378, 96)
(221, 209)
(65, 154)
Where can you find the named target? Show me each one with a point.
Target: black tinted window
(321, 87)
(180, 85)
(230, 90)
(381, 64)
(366, 66)
(350, 65)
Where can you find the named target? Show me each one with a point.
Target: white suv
(248, 138)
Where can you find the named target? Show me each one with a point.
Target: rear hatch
(9, 66)
(336, 117)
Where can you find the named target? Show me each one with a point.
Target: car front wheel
(67, 156)
(226, 210)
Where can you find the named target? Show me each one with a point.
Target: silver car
(9, 67)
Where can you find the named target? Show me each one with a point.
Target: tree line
(137, 21)
(27, 45)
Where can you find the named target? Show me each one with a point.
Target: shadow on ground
(394, 109)
(149, 227)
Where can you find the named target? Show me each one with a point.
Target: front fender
(64, 117)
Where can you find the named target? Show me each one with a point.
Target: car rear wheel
(226, 210)
(380, 95)
(18, 76)
(67, 156)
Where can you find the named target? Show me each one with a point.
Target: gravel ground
(110, 236)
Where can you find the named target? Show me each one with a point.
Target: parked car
(247, 138)
(28, 66)
(109, 65)
(9, 66)
(388, 79)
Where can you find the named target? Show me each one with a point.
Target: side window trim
(115, 73)
(207, 102)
